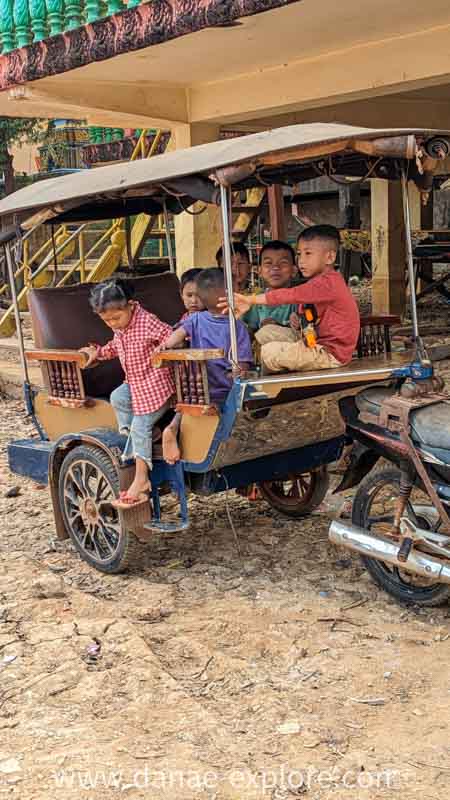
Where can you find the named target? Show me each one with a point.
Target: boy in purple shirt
(208, 330)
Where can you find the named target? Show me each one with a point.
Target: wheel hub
(89, 511)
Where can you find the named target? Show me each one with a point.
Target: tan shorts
(282, 349)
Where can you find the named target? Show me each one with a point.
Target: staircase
(245, 211)
(86, 252)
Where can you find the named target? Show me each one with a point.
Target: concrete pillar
(388, 248)
(196, 237)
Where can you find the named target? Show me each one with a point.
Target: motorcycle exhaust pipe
(362, 541)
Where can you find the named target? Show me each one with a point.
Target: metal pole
(228, 272)
(409, 256)
(168, 239)
(12, 284)
(82, 255)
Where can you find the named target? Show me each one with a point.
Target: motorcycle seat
(430, 426)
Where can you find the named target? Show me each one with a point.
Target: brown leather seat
(63, 319)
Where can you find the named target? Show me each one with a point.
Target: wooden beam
(276, 212)
(349, 217)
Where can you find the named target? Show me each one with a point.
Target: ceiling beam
(100, 102)
(397, 64)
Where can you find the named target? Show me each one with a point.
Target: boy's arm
(176, 339)
(316, 290)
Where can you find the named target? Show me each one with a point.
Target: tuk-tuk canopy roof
(179, 178)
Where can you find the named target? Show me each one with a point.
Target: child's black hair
(115, 293)
(209, 280)
(327, 233)
(236, 247)
(277, 244)
(189, 276)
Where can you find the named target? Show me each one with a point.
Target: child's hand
(268, 321)
(91, 353)
(239, 370)
(294, 321)
(242, 304)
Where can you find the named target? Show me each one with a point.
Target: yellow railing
(113, 254)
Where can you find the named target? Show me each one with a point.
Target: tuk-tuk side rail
(375, 338)
(190, 354)
(63, 379)
(191, 378)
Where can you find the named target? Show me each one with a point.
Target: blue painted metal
(437, 452)
(30, 458)
(231, 408)
(417, 371)
(29, 395)
(106, 436)
(174, 476)
(277, 465)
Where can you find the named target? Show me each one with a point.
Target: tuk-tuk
(279, 431)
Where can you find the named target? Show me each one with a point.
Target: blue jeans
(138, 427)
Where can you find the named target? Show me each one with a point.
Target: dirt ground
(264, 667)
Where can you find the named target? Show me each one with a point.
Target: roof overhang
(177, 179)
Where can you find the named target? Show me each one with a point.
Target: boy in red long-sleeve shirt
(338, 316)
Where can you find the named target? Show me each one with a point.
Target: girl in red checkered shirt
(147, 392)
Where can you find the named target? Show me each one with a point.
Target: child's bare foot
(171, 450)
(135, 491)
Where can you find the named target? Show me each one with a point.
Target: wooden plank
(386, 319)
(57, 355)
(276, 212)
(196, 410)
(65, 402)
(191, 354)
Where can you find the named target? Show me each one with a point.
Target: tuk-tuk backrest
(63, 319)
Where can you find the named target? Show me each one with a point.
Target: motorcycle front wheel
(373, 509)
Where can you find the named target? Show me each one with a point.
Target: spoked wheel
(374, 509)
(88, 482)
(298, 493)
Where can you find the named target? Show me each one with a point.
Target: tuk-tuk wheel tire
(128, 550)
(306, 501)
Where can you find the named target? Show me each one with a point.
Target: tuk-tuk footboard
(30, 458)
(270, 467)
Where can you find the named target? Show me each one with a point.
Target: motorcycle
(400, 523)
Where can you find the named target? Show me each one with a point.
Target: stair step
(68, 265)
(11, 343)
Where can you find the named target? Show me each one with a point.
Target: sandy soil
(275, 671)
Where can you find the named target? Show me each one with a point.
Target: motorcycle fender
(361, 461)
